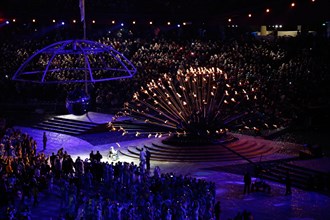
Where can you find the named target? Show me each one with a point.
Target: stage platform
(300, 205)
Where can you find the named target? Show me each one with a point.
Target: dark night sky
(305, 10)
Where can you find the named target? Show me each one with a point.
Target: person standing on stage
(247, 182)
(148, 157)
(44, 140)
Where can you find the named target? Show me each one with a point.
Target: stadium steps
(68, 126)
(205, 153)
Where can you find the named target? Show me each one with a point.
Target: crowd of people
(289, 74)
(91, 189)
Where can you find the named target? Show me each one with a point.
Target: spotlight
(62, 23)
(113, 22)
(293, 4)
(280, 26)
(33, 20)
(250, 15)
(93, 21)
(54, 21)
(178, 25)
(7, 22)
(74, 21)
(267, 10)
(184, 23)
(168, 23)
(14, 20)
(122, 24)
(133, 22)
(229, 20)
(150, 22)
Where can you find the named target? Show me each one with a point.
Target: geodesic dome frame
(75, 61)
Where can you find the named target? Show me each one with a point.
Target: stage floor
(299, 205)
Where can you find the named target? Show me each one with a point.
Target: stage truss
(75, 61)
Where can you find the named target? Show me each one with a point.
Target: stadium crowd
(289, 74)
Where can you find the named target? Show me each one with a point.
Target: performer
(113, 154)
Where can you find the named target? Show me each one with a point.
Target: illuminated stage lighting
(7, 22)
(74, 21)
(133, 22)
(113, 21)
(33, 20)
(54, 21)
(267, 10)
(250, 15)
(293, 4)
(93, 21)
(150, 22)
(168, 23)
(229, 20)
(14, 20)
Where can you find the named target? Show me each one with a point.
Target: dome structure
(75, 61)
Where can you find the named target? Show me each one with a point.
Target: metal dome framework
(75, 61)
